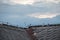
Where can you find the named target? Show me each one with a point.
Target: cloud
(43, 15)
(51, 1)
(30, 2)
(18, 2)
(22, 1)
(31, 12)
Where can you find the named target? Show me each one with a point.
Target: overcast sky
(35, 12)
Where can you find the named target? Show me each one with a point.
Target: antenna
(25, 23)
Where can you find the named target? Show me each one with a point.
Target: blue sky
(35, 12)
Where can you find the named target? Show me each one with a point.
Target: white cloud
(22, 1)
(29, 1)
(43, 15)
(51, 1)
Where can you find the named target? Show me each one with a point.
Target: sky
(26, 12)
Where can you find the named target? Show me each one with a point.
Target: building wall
(32, 33)
(11, 33)
(47, 33)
